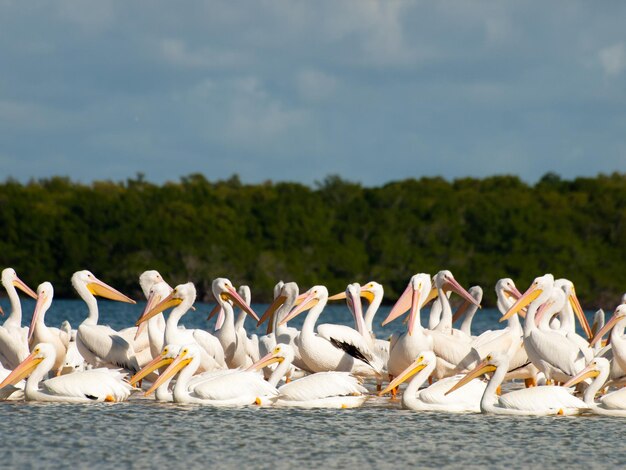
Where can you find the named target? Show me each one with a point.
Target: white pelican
(285, 298)
(182, 298)
(40, 333)
(79, 387)
(333, 347)
(233, 388)
(616, 325)
(570, 308)
(537, 401)
(406, 347)
(553, 354)
(235, 348)
(434, 397)
(156, 324)
(320, 390)
(611, 404)
(101, 345)
(13, 338)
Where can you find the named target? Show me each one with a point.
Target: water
(144, 434)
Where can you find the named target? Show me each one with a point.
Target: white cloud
(613, 59)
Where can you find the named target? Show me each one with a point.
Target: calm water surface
(144, 434)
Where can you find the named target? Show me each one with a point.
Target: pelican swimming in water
(233, 388)
(182, 298)
(320, 390)
(333, 347)
(78, 387)
(536, 401)
(101, 345)
(434, 397)
(611, 404)
(13, 338)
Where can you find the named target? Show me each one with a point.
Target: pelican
(235, 347)
(616, 325)
(469, 310)
(156, 324)
(611, 404)
(251, 343)
(233, 388)
(553, 354)
(570, 309)
(13, 338)
(182, 298)
(536, 401)
(40, 333)
(406, 347)
(79, 387)
(434, 398)
(333, 347)
(320, 390)
(285, 298)
(101, 345)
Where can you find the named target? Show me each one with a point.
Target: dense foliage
(335, 233)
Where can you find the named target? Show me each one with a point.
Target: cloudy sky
(296, 90)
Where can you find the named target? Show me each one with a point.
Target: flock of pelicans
(323, 366)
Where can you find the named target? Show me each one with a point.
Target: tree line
(333, 233)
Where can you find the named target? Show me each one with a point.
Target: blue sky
(297, 90)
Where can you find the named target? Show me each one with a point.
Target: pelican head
(477, 293)
(369, 291)
(424, 359)
(506, 289)
(147, 279)
(10, 278)
(312, 297)
(224, 291)
(540, 288)
(593, 369)
(41, 352)
(84, 281)
(166, 357)
(182, 294)
(45, 293)
(489, 364)
(620, 314)
(414, 297)
(282, 352)
(287, 293)
(187, 353)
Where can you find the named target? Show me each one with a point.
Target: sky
(373, 91)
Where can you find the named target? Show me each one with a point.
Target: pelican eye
(184, 351)
(489, 358)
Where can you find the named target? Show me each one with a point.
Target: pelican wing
(615, 400)
(448, 348)
(229, 386)
(543, 398)
(351, 342)
(558, 351)
(13, 347)
(104, 342)
(469, 395)
(211, 345)
(322, 385)
(95, 384)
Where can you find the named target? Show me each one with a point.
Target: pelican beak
(606, 328)
(580, 314)
(271, 310)
(339, 296)
(452, 284)
(239, 302)
(265, 361)
(415, 310)
(402, 304)
(531, 294)
(483, 367)
(356, 307)
(156, 307)
(36, 314)
(221, 316)
(151, 366)
(21, 285)
(406, 374)
(309, 302)
(1, 311)
(177, 364)
(97, 287)
(587, 373)
(542, 310)
(432, 295)
(513, 293)
(214, 312)
(24, 369)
